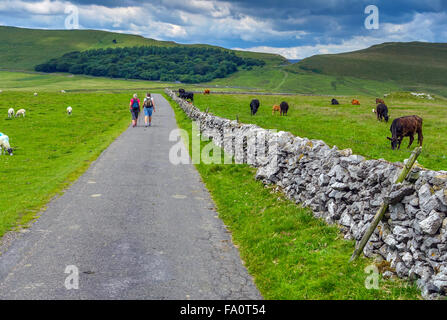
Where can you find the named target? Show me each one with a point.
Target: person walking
(148, 108)
(134, 109)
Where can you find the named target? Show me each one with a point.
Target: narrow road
(134, 226)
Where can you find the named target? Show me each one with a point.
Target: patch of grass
(53, 149)
(281, 79)
(345, 126)
(20, 81)
(290, 254)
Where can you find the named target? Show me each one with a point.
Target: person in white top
(148, 108)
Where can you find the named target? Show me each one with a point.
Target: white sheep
(21, 112)
(35, 94)
(69, 110)
(4, 145)
(11, 113)
(63, 91)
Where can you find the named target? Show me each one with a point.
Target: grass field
(280, 79)
(290, 254)
(345, 126)
(20, 81)
(53, 149)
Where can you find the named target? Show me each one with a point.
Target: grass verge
(290, 254)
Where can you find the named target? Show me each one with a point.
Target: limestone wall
(347, 189)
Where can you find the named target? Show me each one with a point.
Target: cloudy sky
(293, 28)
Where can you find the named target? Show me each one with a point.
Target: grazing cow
(180, 91)
(379, 101)
(207, 91)
(254, 106)
(405, 127)
(275, 108)
(382, 112)
(355, 102)
(284, 108)
(334, 102)
(187, 95)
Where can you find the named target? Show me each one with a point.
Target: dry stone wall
(347, 190)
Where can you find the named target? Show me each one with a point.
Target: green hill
(408, 64)
(374, 71)
(23, 49)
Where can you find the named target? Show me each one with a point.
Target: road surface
(134, 226)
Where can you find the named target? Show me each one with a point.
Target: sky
(293, 28)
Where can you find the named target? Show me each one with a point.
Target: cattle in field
(254, 106)
(382, 112)
(276, 108)
(180, 92)
(405, 127)
(207, 91)
(284, 108)
(355, 102)
(378, 101)
(187, 95)
(334, 102)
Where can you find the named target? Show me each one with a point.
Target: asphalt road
(134, 226)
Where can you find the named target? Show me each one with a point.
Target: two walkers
(148, 109)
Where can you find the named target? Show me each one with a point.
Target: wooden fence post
(380, 213)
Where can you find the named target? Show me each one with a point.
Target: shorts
(134, 113)
(148, 111)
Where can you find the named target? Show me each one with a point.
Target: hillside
(409, 64)
(23, 49)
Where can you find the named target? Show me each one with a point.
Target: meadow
(33, 81)
(52, 149)
(345, 126)
(290, 254)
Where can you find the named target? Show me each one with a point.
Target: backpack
(148, 103)
(135, 104)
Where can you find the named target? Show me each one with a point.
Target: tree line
(184, 64)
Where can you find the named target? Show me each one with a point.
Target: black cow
(334, 102)
(405, 127)
(185, 95)
(188, 95)
(254, 106)
(382, 112)
(284, 108)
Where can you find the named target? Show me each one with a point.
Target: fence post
(380, 213)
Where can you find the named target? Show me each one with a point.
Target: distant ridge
(403, 62)
(23, 49)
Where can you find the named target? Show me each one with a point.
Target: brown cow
(275, 108)
(379, 101)
(207, 91)
(355, 102)
(405, 127)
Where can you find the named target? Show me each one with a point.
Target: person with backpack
(148, 108)
(134, 109)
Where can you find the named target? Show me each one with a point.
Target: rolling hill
(23, 49)
(374, 71)
(409, 64)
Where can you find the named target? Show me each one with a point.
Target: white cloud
(423, 27)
